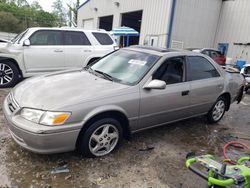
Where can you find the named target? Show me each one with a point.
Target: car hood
(57, 90)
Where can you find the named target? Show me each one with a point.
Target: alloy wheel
(103, 140)
(6, 74)
(218, 110)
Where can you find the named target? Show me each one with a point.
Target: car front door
(205, 82)
(159, 106)
(45, 53)
(78, 49)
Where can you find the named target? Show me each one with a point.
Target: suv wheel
(9, 74)
(101, 138)
(217, 111)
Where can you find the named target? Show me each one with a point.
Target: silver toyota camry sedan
(129, 90)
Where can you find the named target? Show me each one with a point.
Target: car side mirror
(155, 84)
(26, 42)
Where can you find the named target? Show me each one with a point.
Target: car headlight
(45, 117)
(32, 114)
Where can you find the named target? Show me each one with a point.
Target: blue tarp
(125, 31)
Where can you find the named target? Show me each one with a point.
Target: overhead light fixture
(117, 3)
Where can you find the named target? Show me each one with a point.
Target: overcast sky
(46, 4)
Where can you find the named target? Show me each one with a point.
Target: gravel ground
(162, 165)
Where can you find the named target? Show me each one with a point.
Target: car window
(103, 38)
(214, 54)
(206, 52)
(46, 38)
(247, 70)
(76, 38)
(171, 71)
(200, 68)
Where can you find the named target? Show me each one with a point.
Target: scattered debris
(147, 148)
(3, 140)
(68, 177)
(60, 169)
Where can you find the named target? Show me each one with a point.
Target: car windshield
(125, 66)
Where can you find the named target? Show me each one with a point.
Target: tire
(9, 74)
(217, 111)
(97, 141)
(246, 89)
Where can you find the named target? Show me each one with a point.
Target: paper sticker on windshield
(137, 62)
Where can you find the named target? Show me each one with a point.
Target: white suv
(42, 50)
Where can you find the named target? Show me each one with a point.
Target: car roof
(68, 29)
(202, 49)
(161, 51)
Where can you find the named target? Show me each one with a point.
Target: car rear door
(77, 49)
(45, 53)
(206, 84)
(172, 103)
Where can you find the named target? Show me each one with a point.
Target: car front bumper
(38, 138)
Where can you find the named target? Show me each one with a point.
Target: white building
(175, 23)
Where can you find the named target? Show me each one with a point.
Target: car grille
(12, 104)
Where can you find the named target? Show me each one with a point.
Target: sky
(46, 4)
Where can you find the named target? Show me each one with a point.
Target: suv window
(200, 68)
(103, 38)
(171, 71)
(46, 38)
(75, 38)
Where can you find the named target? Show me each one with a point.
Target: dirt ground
(162, 166)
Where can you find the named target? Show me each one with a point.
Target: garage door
(88, 24)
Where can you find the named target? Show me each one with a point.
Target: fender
(103, 109)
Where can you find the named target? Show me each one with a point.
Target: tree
(59, 11)
(35, 5)
(73, 10)
(22, 3)
(9, 22)
(16, 19)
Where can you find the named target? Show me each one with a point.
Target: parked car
(245, 71)
(216, 55)
(43, 50)
(127, 91)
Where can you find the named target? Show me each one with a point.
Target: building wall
(155, 17)
(234, 27)
(195, 22)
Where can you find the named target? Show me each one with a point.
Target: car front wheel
(101, 138)
(9, 74)
(217, 111)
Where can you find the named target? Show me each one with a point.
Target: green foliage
(8, 23)
(21, 15)
(59, 11)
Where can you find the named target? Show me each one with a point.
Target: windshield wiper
(107, 76)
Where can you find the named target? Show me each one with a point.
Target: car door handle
(183, 93)
(87, 50)
(58, 50)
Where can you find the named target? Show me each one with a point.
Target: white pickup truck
(43, 50)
